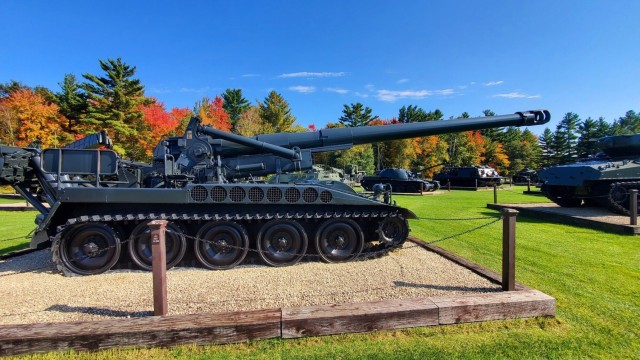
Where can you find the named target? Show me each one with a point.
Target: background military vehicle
(525, 176)
(603, 180)
(468, 176)
(99, 205)
(401, 181)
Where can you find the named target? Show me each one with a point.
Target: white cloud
(361, 95)
(307, 74)
(250, 75)
(369, 87)
(303, 89)
(337, 90)
(393, 95)
(402, 81)
(493, 83)
(516, 95)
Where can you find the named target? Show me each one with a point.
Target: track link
(370, 251)
(616, 206)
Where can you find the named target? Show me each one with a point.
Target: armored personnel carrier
(401, 181)
(469, 176)
(99, 205)
(603, 180)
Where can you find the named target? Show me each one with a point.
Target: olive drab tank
(98, 205)
(602, 180)
(400, 180)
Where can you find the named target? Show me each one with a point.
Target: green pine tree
(72, 102)
(114, 101)
(276, 114)
(234, 104)
(356, 115)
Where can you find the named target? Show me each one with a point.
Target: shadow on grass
(446, 287)
(98, 311)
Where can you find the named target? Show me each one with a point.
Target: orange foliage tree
(430, 154)
(212, 113)
(35, 119)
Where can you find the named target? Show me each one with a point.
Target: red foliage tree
(161, 122)
(212, 113)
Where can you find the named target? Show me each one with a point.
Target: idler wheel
(89, 249)
(221, 245)
(282, 242)
(339, 240)
(393, 230)
(140, 245)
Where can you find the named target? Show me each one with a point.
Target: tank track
(614, 205)
(370, 250)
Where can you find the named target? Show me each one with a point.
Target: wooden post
(509, 249)
(476, 184)
(159, 266)
(449, 185)
(511, 181)
(495, 193)
(528, 185)
(633, 206)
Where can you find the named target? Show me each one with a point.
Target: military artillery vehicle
(602, 180)
(468, 176)
(99, 203)
(525, 176)
(401, 181)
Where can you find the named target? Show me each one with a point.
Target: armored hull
(401, 181)
(603, 180)
(469, 176)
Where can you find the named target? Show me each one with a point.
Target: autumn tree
(162, 122)
(430, 154)
(8, 123)
(72, 102)
(234, 104)
(356, 115)
(114, 102)
(459, 147)
(275, 113)
(250, 122)
(32, 118)
(10, 87)
(212, 113)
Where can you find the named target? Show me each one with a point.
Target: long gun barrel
(242, 156)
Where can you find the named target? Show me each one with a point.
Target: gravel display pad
(44, 295)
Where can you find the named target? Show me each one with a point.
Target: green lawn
(14, 227)
(594, 276)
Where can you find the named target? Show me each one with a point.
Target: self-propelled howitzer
(98, 205)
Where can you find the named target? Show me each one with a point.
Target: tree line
(115, 100)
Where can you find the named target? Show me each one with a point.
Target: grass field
(594, 276)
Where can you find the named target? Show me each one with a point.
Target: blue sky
(456, 56)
